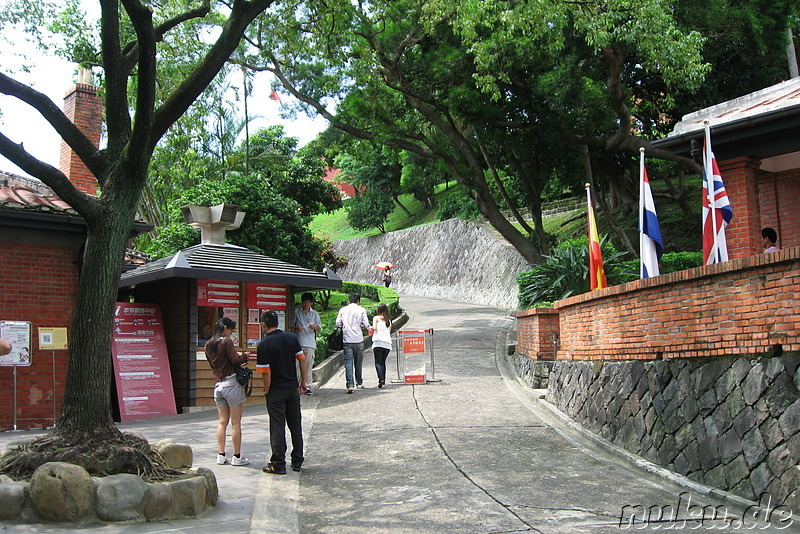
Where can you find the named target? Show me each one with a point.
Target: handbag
(243, 376)
(335, 340)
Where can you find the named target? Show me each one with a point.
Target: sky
(55, 77)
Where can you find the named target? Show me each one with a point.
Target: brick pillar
(537, 332)
(84, 107)
(740, 176)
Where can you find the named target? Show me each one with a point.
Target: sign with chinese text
(217, 293)
(18, 333)
(141, 363)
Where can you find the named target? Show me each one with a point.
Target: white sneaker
(360, 386)
(239, 461)
(222, 459)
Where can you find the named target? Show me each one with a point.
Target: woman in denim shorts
(228, 395)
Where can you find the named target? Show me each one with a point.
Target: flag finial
(641, 150)
(588, 185)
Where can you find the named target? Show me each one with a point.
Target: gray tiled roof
(229, 262)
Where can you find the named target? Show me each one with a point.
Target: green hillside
(680, 232)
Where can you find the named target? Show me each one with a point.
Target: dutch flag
(650, 245)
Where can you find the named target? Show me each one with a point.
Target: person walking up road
(306, 325)
(277, 353)
(381, 332)
(352, 319)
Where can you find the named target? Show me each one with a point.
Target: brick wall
(39, 285)
(743, 306)
(779, 196)
(537, 333)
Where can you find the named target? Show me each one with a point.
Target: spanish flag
(597, 274)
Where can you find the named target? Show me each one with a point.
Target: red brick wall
(779, 197)
(536, 329)
(84, 107)
(743, 306)
(39, 285)
(743, 234)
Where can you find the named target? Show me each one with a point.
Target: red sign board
(414, 344)
(217, 293)
(141, 364)
(266, 297)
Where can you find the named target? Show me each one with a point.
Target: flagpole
(710, 185)
(641, 212)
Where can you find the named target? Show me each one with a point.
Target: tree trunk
(402, 207)
(86, 410)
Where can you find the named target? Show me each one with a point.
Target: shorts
(229, 392)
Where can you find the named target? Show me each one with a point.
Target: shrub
(670, 262)
(459, 205)
(566, 272)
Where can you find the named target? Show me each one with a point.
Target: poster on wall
(216, 293)
(141, 363)
(18, 334)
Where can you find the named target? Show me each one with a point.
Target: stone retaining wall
(729, 422)
(452, 260)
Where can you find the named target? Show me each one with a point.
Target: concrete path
(474, 453)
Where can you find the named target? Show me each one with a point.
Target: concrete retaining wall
(731, 422)
(453, 260)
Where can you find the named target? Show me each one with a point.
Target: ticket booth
(198, 285)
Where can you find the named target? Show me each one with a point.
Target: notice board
(141, 363)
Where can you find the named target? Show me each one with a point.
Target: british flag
(715, 247)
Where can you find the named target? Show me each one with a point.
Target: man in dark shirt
(277, 353)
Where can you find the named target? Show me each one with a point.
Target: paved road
(475, 453)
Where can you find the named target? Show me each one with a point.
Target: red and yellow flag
(597, 274)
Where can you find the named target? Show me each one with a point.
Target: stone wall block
(735, 403)
(62, 492)
(754, 384)
(120, 497)
(780, 460)
(790, 420)
(12, 499)
(722, 419)
(745, 489)
(189, 496)
(717, 477)
(780, 394)
(729, 446)
(775, 366)
(773, 436)
(760, 478)
(753, 447)
(212, 490)
(707, 402)
(744, 421)
(176, 454)
(158, 501)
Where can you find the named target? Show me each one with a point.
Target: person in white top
(352, 319)
(768, 239)
(381, 332)
(306, 325)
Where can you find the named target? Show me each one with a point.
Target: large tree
(137, 115)
(470, 82)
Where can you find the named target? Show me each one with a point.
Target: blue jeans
(380, 362)
(353, 357)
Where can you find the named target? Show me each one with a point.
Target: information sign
(18, 333)
(141, 363)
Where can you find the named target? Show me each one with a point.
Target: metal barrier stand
(414, 348)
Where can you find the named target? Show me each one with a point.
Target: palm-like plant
(566, 272)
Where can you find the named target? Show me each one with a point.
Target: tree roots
(100, 456)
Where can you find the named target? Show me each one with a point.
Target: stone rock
(176, 454)
(773, 367)
(189, 496)
(780, 395)
(744, 421)
(753, 447)
(771, 431)
(120, 497)
(790, 420)
(754, 384)
(157, 501)
(12, 499)
(212, 490)
(760, 479)
(737, 470)
(780, 460)
(730, 446)
(62, 492)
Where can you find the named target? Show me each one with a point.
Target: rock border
(66, 493)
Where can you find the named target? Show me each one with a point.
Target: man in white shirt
(306, 325)
(353, 319)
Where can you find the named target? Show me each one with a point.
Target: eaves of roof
(232, 263)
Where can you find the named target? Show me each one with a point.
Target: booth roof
(232, 263)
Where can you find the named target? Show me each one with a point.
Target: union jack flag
(715, 247)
